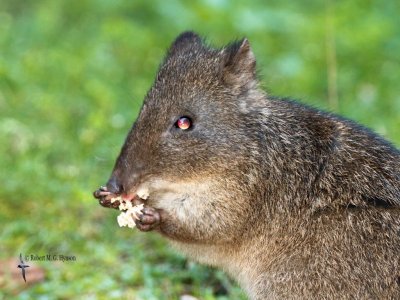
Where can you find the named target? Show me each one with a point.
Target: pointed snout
(114, 185)
(118, 184)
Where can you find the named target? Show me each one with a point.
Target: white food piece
(119, 198)
(129, 212)
(143, 193)
(127, 218)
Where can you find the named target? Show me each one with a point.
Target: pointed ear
(240, 64)
(185, 40)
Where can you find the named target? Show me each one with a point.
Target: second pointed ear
(240, 64)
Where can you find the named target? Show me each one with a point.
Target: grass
(72, 78)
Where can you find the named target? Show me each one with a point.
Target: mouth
(110, 200)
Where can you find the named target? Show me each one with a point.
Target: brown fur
(292, 202)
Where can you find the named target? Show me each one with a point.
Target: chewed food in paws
(129, 213)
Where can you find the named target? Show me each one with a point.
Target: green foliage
(72, 78)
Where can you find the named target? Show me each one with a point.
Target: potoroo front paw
(149, 219)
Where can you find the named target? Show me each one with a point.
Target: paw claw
(148, 219)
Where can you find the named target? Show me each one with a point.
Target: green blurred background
(72, 78)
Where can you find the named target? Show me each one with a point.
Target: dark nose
(114, 186)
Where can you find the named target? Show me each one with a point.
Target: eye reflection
(184, 123)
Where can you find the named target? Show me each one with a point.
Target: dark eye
(183, 123)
